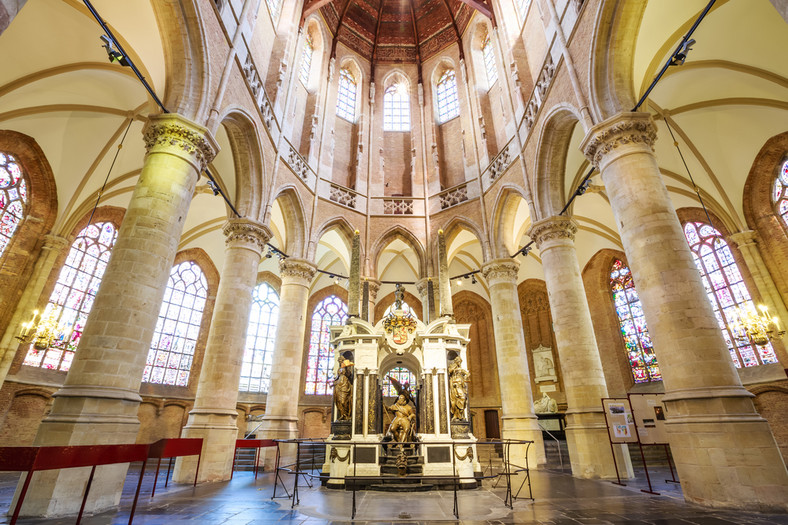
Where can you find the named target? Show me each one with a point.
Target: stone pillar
(747, 242)
(373, 287)
(443, 277)
(517, 403)
(586, 431)
(423, 287)
(50, 251)
(281, 411)
(214, 415)
(354, 281)
(725, 453)
(99, 401)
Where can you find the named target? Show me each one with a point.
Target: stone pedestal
(725, 453)
(586, 431)
(281, 411)
(214, 415)
(517, 403)
(99, 401)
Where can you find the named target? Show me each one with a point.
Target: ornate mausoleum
(224, 217)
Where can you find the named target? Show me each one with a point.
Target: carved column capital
(374, 288)
(247, 233)
(501, 271)
(617, 134)
(745, 238)
(54, 242)
(422, 286)
(173, 134)
(297, 271)
(552, 228)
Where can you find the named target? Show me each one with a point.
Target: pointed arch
(345, 229)
(249, 162)
(392, 234)
(295, 222)
(503, 241)
(457, 224)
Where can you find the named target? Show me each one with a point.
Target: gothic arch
(457, 224)
(295, 222)
(341, 225)
(249, 162)
(393, 233)
(384, 302)
(503, 218)
(470, 307)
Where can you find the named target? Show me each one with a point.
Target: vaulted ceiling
(397, 30)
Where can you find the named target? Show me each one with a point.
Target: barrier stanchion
(170, 448)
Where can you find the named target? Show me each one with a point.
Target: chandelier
(42, 331)
(758, 327)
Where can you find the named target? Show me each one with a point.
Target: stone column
(725, 453)
(443, 277)
(747, 242)
(45, 263)
(354, 281)
(281, 410)
(517, 403)
(214, 415)
(99, 401)
(586, 431)
(373, 287)
(423, 287)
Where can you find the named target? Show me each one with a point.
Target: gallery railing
(299, 469)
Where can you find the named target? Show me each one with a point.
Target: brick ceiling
(359, 24)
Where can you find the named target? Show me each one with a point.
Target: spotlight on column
(681, 55)
(113, 54)
(473, 279)
(459, 281)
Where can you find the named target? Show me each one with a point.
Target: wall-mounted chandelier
(43, 330)
(758, 327)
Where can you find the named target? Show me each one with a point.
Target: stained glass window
(172, 349)
(73, 295)
(273, 7)
(402, 375)
(320, 366)
(726, 290)
(346, 97)
(13, 198)
(489, 61)
(260, 336)
(306, 60)
(448, 102)
(780, 194)
(640, 351)
(396, 108)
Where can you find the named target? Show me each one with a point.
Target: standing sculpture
(458, 393)
(343, 389)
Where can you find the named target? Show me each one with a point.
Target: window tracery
(274, 6)
(13, 198)
(306, 60)
(632, 322)
(448, 101)
(346, 95)
(396, 108)
(72, 298)
(178, 327)
(260, 338)
(402, 375)
(726, 290)
(319, 372)
(522, 7)
(780, 194)
(489, 61)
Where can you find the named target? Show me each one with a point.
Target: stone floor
(559, 499)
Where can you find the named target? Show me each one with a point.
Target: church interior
(193, 192)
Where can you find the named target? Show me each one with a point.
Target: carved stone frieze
(552, 228)
(173, 132)
(246, 231)
(297, 269)
(501, 270)
(623, 129)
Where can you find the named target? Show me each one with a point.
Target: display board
(649, 412)
(619, 419)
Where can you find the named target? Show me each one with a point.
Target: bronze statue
(343, 389)
(403, 426)
(458, 394)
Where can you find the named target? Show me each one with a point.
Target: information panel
(619, 419)
(649, 413)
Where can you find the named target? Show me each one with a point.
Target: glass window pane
(396, 108)
(448, 103)
(260, 337)
(346, 96)
(13, 198)
(320, 364)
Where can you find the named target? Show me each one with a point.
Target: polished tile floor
(559, 499)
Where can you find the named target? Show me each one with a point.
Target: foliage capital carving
(297, 269)
(623, 129)
(552, 228)
(246, 231)
(174, 134)
(501, 270)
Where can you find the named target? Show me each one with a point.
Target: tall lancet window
(402, 375)
(522, 7)
(780, 194)
(346, 96)
(306, 60)
(726, 290)
(73, 295)
(396, 108)
(640, 351)
(320, 366)
(274, 6)
(13, 198)
(172, 349)
(489, 61)
(448, 102)
(260, 337)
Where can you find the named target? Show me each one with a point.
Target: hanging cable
(106, 179)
